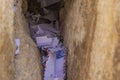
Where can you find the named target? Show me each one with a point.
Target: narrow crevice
(44, 24)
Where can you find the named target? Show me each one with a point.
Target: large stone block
(91, 33)
(27, 62)
(6, 40)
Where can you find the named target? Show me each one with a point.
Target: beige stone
(91, 34)
(6, 40)
(27, 62)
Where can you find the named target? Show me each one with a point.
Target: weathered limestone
(91, 34)
(26, 65)
(6, 40)
(27, 62)
(117, 50)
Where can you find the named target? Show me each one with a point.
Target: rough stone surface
(6, 40)
(27, 62)
(91, 33)
(117, 52)
(26, 65)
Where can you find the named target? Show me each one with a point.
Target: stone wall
(27, 62)
(117, 50)
(91, 33)
(6, 40)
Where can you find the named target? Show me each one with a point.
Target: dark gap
(43, 19)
